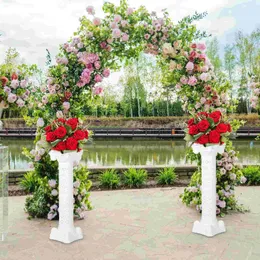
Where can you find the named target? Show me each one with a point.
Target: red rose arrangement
(66, 135)
(207, 128)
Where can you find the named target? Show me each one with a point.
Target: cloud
(32, 26)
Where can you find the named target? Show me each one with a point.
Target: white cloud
(34, 25)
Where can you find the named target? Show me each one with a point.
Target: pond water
(132, 152)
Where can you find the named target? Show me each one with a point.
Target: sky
(31, 26)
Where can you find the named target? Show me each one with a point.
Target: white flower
(54, 192)
(52, 183)
(41, 151)
(54, 207)
(59, 114)
(23, 83)
(232, 176)
(40, 122)
(243, 179)
(20, 102)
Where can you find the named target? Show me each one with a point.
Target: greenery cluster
(252, 173)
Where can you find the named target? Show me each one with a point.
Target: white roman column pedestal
(208, 225)
(66, 232)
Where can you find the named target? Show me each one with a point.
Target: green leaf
(198, 136)
(189, 138)
(211, 121)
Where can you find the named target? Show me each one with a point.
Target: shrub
(30, 182)
(109, 179)
(252, 173)
(166, 176)
(135, 177)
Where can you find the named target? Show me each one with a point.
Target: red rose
(50, 137)
(86, 134)
(222, 128)
(193, 130)
(14, 76)
(60, 132)
(4, 80)
(229, 129)
(214, 137)
(79, 135)
(202, 114)
(71, 144)
(73, 123)
(191, 59)
(194, 45)
(191, 122)
(193, 54)
(203, 125)
(60, 146)
(47, 128)
(67, 95)
(215, 116)
(204, 139)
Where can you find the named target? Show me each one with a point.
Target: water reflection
(132, 152)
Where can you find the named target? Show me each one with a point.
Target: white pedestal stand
(66, 232)
(208, 225)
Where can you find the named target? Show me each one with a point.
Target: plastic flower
(40, 122)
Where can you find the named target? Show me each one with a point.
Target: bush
(252, 173)
(30, 182)
(109, 179)
(166, 176)
(135, 177)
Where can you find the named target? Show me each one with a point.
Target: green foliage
(30, 182)
(166, 176)
(109, 179)
(252, 173)
(135, 177)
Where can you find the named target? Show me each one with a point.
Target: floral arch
(99, 46)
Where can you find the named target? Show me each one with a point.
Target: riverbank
(252, 120)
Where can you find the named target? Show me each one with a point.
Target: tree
(213, 54)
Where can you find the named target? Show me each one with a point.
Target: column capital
(208, 150)
(66, 157)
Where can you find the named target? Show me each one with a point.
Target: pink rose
(116, 33)
(106, 73)
(117, 18)
(204, 76)
(201, 46)
(146, 36)
(97, 90)
(124, 23)
(205, 68)
(184, 80)
(192, 81)
(96, 21)
(113, 25)
(129, 11)
(98, 78)
(103, 45)
(109, 41)
(189, 66)
(97, 65)
(125, 37)
(66, 105)
(90, 10)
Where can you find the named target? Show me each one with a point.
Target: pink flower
(203, 100)
(97, 90)
(20, 102)
(124, 23)
(15, 83)
(23, 83)
(184, 80)
(192, 81)
(205, 68)
(106, 73)
(243, 179)
(90, 10)
(203, 56)
(117, 18)
(190, 66)
(98, 78)
(221, 203)
(96, 21)
(108, 48)
(129, 11)
(7, 90)
(109, 41)
(81, 83)
(97, 65)
(146, 36)
(204, 76)
(201, 46)
(125, 37)
(90, 67)
(103, 45)
(113, 25)
(66, 105)
(116, 33)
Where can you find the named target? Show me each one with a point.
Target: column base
(66, 236)
(209, 230)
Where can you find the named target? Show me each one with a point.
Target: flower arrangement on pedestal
(66, 135)
(207, 128)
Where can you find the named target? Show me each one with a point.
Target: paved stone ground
(137, 224)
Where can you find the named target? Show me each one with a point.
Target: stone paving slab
(137, 224)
